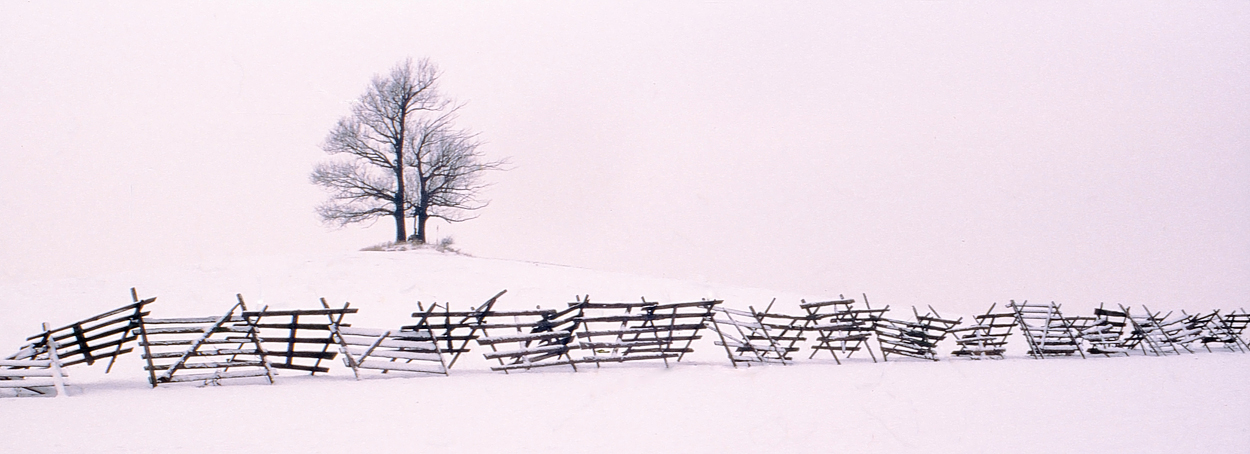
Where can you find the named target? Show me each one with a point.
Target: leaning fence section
(385, 351)
(453, 330)
(99, 337)
(37, 367)
(298, 339)
(1152, 331)
(789, 331)
(530, 339)
(622, 332)
(916, 338)
(203, 349)
(1226, 330)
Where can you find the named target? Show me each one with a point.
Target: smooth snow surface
(1178, 404)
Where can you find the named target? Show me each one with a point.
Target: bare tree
(445, 176)
(369, 183)
(399, 156)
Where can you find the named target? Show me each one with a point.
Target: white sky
(920, 152)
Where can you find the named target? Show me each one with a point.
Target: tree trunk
(400, 229)
(420, 219)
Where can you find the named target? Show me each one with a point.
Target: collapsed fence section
(916, 339)
(1152, 332)
(1104, 332)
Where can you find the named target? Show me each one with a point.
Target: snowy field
(944, 154)
(1189, 403)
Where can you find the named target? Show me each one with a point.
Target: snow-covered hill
(1190, 403)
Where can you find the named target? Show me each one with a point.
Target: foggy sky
(920, 152)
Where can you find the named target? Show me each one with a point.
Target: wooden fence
(242, 343)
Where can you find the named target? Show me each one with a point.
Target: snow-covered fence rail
(34, 370)
(620, 332)
(206, 347)
(389, 350)
(1104, 332)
